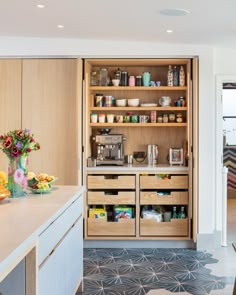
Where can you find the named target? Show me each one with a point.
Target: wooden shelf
(138, 124)
(138, 88)
(138, 109)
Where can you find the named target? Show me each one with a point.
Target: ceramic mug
(119, 118)
(110, 118)
(94, 118)
(126, 119)
(143, 118)
(134, 119)
(101, 118)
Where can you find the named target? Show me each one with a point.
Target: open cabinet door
(79, 122)
(195, 149)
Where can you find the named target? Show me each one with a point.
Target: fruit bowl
(41, 191)
(4, 193)
(41, 183)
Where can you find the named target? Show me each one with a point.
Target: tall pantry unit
(141, 185)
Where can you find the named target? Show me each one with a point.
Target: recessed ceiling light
(60, 26)
(169, 31)
(40, 6)
(174, 12)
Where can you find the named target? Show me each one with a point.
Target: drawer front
(52, 235)
(103, 198)
(174, 182)
(174, 198)
(174, 228)
(111, 181)
(98, 227)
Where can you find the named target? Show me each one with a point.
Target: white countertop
(139, 168)
(23, 219)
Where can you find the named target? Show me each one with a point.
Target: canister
(138, 81)
(124, 79)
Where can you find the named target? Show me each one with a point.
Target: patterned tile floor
(141, 271)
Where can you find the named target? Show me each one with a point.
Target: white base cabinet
(61, 261)
(59, 273)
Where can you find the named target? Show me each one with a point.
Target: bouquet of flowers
(18, 142)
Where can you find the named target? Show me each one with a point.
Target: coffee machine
(109, 149)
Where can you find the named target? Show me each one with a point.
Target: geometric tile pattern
(137, 271)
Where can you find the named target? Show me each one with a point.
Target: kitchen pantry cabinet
(43, 95)
(175, 134)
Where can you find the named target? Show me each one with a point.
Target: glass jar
(165, 118)
(159, 119)
(93, 78)
(103, 77)
(179, 118)
(172, 117)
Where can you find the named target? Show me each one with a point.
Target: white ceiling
(210, 22)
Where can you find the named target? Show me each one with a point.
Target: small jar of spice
(179, 118)
(165, 118)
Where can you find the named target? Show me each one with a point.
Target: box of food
(123, 212)
(98, 213)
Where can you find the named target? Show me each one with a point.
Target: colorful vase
(17, 176)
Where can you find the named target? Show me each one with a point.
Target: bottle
(170, 76)
(181, 76)
(175, 77)
(103, 77)
(118, 74)
(182, 213)
(174, 213)
(131, 81)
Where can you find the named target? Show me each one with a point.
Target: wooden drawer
(121, 198)
(55, 231)
(174, 228)
(174, 198)
(174, 182)
(111, 181)
(98, 227)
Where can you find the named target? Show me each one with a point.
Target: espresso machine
(109, 149)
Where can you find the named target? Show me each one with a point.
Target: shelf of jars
(138, 124)
(138, 109)
(139, 88)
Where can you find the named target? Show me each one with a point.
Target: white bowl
(115, 82)
(133, 102)
(121, 102)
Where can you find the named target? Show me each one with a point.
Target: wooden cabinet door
(50, 111)
(10, 98)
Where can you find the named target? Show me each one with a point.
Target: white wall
(31, 47)
(224, 70)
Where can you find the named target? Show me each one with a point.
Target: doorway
(225, 151)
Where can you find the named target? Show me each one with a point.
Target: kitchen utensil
(152, 154)
(165, 101)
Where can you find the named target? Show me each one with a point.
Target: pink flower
(19, 176)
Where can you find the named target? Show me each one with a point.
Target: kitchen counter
(139, 168)
(23, 219)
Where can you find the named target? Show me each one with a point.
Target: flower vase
(17, 176)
